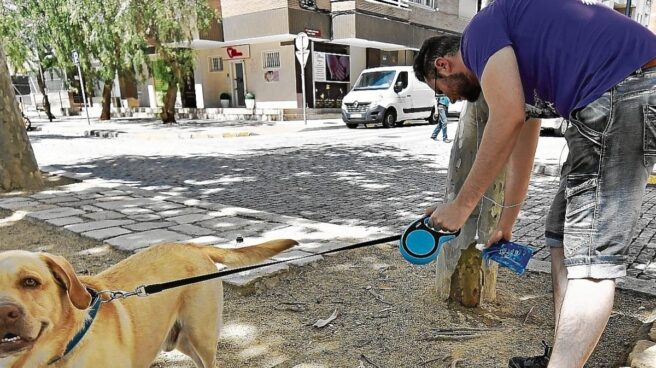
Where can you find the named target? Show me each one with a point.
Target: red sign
(237, 52)
(233, 52)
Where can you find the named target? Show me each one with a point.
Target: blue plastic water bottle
(514, 256)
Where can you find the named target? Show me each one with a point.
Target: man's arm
(503, 93)
(518, 175)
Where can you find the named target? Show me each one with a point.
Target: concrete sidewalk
(183, 129)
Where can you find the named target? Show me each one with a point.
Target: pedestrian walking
(595, 67)
(442, 106)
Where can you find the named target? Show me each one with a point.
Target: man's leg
(610, 165)
(437, 129)
(443, 122)
(584, 314)
(559, 282)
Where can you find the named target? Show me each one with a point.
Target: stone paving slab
(190, 218)
(102, 215)
(96, 225)
(192, 230)
(134, 241)
(149, 225)
(14, 205)
(247, 278)
(106, 233)
(62, 221)
(56, 212)
(291, 255)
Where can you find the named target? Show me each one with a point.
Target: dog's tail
(239, 257)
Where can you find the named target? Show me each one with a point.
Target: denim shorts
(612, 149)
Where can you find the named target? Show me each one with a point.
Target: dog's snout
(9, 313)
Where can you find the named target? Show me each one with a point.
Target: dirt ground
(387, 313)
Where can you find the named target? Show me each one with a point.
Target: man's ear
(443, 66)
(66, 277)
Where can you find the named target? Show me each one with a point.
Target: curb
(237, 134)
(109, 133)
(546, 169)
(103, 133)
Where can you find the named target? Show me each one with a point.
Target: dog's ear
(66, 277)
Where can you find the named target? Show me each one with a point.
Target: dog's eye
(30, 282)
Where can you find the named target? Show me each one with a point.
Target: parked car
(557, 125)
(387, 96)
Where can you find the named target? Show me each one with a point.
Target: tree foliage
(169, 25)
(110, 36)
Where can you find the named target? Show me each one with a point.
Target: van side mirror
(398, 87)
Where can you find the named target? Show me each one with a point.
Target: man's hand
(499, 234)
(448, 216)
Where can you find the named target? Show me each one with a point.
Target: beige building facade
(250, 50)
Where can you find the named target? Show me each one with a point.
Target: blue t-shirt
(568, 53)
(443, 100)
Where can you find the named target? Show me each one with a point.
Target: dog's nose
(9, 313)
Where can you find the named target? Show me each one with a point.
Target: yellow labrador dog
(49, 316)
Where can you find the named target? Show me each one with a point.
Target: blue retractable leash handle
(421, 244)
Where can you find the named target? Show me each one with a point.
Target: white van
(387, 95)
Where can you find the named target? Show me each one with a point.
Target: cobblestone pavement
(131, 219)
(365, 178)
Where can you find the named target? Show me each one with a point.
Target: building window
(216, 64)
(270, 59)
(426, 3)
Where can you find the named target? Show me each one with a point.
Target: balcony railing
(398, 3)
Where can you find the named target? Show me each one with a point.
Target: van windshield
(375, 80)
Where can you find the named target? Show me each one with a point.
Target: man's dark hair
(434, 47)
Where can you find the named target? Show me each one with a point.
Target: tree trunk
(46, 101)
(461, 273)
(106, 100)
(168, 111)
(18, 167)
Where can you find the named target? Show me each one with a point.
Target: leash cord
(146, 290)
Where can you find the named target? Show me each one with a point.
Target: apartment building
(252, 48)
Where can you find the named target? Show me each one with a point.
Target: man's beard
(464, 87)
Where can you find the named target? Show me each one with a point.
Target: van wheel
(389, 119)
(351, 125)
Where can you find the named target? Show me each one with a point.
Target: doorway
(188, 90)
(238, 83)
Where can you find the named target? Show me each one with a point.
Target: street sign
(302, 41)
(76, 60)
(302, 57)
